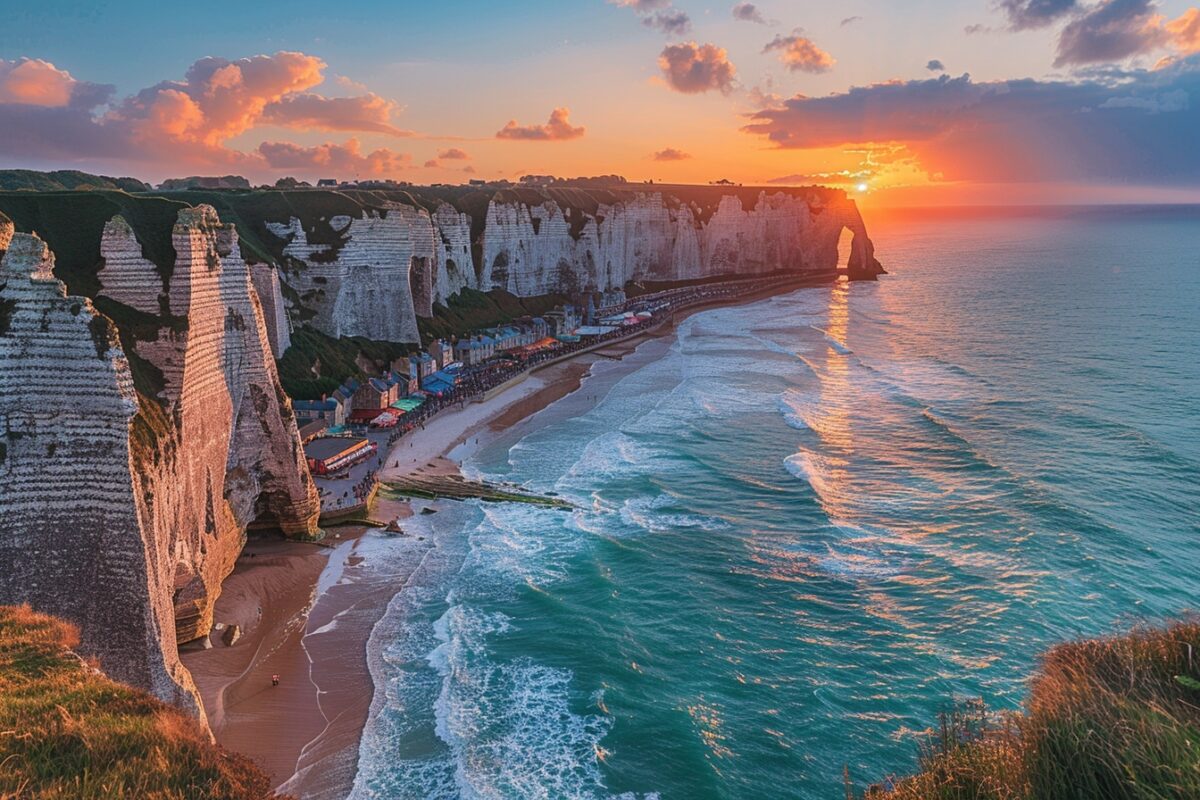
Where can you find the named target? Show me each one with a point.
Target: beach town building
(422, 365)
(330, 410)
(442, 353)
(372, 398)
(475, 350)
(332, 453)
(311, 430)
(564, 320)
(344, 394)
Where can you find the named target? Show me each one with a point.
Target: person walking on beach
(274, 680)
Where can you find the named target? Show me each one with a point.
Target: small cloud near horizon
(453, 154)
(671, 154)
(557, 129)
(850, 21)
(935, 65)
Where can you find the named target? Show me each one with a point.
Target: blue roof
(315, 405)
(435, 384)
(378, 384)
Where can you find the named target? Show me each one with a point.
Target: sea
(805, 526)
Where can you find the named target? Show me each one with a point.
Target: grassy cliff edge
(1115, 717)
(67, 731)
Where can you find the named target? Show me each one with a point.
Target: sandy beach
(305, 611)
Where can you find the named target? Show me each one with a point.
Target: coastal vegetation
(67, 731)
(65, 180)
(317, 364)
(1115, 717)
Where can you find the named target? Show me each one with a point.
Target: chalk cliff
(373, 272)
(134, 455)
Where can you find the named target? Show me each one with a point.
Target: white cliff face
(455, 269)
(72, 542)
(149, 497)
(377, 281)
(266, 285)
(390, 268)
(530, 250)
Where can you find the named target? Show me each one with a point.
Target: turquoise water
(807, 524)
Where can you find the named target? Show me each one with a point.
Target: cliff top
(81, 734)
(72, 222)
(65, 180)
(1111, 717)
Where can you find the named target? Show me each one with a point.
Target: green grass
(471, 309)
(65, 180)
(1115, 718)
(72, 224)
(69, 733)
(317, 364)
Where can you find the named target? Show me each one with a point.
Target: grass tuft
(68, 732)
(1116, 717)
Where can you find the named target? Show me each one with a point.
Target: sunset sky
(926, 101)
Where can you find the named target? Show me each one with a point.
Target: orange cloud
(671, 154)
(557, 128)
(693, 68)
(46, 113)
(799, 54)
(31, 81)
(1185, 31)
(339, 158)
(308, 111)
(453, 154)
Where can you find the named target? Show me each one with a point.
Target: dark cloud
(671, 154)
(748, 12)
(1141, 130)
(1028, 14)
(935, 66)
(850, 21)
(671, 21)
(694, 68)
(557, 128)
(800, 54)
(1110, 31)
